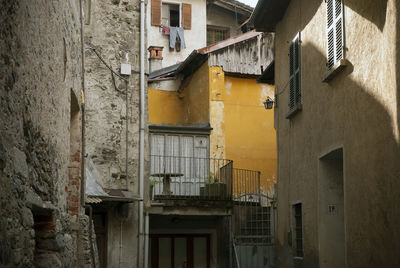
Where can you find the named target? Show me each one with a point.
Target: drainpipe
(141, 144)
(146, 242)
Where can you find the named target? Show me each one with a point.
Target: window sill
(296, 109)
(337, 68)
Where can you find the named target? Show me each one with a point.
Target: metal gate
(252, 222)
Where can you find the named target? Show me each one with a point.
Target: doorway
(331, 214)
(180, 251)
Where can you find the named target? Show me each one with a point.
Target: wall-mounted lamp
(269, 103)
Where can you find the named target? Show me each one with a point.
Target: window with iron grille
(298, 230)
(216, 34)
(295, 73)
(334, 32)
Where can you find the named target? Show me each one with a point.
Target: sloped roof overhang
(267, 14)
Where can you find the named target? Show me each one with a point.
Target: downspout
(141, 141)
(146, 242)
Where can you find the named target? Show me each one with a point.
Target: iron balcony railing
(176, 177)
(251, 210)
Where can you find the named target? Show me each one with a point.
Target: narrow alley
(199, 133)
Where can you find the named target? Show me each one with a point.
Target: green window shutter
(334, 31)
(294, 73)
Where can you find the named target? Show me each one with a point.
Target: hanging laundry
(165, 30)
(174, 34)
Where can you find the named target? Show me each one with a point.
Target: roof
(267, 14)
(229, 42)
(233, 6)
(196, 59)
(164, 71)
(268, 76)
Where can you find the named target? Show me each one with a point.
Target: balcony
(190, 178)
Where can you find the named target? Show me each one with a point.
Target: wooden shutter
(187, 16)
(334, 31)
(294, 73)
(156, 12)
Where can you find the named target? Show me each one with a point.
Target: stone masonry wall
(113, 29)
(40, 77)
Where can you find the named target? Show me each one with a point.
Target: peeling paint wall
(243, 131)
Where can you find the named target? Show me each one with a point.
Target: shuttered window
(187, 16)
(156, 12)
(334, 31)
(294, 73)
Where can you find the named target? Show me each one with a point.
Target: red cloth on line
(165, 30)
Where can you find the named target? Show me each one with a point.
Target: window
(170, 15)
(183, 153)
(298, 230)
(174, 15)
(334, 32)
(295, 74)
(216, 34)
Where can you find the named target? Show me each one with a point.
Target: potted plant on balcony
(213, 188)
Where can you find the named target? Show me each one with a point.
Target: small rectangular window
(298, 230)
(334, 32)
(216, 34)
(295, 73)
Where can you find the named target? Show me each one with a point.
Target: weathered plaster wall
(40, 71)
(357, 110)
(190, 106)
(165, 107)
(195, 38)
(114, 32)
(220, 17)
(217, 119)
(196, 96)
(250, 137)
(243, 131)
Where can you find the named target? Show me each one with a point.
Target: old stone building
(42, 221)
(337, 119)
(114, 123)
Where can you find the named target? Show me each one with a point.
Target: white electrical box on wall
(126, 69)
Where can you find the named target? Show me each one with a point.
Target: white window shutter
(294, 72)
(334, 31)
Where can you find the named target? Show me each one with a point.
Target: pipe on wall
(141, 141)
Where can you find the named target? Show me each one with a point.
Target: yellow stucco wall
(243, 131)
(191, 106)
(165, 107)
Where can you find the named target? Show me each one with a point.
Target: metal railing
(176, 177)
(251, 218)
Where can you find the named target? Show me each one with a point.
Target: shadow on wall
(372, 156)
(398, 61)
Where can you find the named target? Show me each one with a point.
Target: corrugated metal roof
(92, 200)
